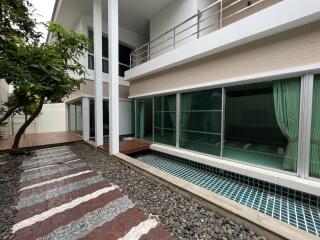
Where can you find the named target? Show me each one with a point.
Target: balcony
(215, 16)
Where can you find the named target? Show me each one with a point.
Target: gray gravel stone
(9, 183)
(184, 218)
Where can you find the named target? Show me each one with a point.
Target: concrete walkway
(62, 198)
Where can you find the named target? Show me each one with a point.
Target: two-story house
(234, 84)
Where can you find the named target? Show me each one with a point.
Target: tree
(16, 24)
(44, 70)
(16, 20)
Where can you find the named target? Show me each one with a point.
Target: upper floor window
(124, 55)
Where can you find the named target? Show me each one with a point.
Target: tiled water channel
(296, 208)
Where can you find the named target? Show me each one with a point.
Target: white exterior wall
(212, 17)
(246, 30)
(125, 117)
(128, 37)
(51, 119)
(173, 14)
(4, 92)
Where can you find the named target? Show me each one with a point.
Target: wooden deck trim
(129, 146)
(34, 141)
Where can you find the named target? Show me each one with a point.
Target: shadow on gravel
(9, 184)
(184, 218)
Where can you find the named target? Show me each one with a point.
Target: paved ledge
(261, 223)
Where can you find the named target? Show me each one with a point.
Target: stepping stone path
(62, 198)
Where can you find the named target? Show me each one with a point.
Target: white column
(98, 101)
(113, 76)
(85, 118)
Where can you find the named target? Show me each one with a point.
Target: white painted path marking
(55, 180)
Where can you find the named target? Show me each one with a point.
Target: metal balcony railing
(212, 18)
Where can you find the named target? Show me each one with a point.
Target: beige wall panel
(88, 89)
(297, 47)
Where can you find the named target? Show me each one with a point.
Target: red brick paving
(119, 226)
(114, 229)
(43, 228)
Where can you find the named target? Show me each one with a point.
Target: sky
(43, 12)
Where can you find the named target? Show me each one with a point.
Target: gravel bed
(9, 183)
(184, 218)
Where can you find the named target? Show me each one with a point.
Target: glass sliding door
(262, 123)
(165, 119)
(78, 107)
(75, 117)
(105, 118)
(133, 117)
(92, 119)
(144, 124)
(200, 123)
(72, 118)
(314, 169)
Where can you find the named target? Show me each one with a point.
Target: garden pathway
(62, 198)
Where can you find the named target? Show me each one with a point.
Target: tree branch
(8, 113)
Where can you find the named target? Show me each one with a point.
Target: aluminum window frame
(221, 111)
(177, 120)
(105, 58)
(305, 123)
(308, 140)
(305, 119)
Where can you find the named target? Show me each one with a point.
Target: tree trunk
(8, 114)
(24, 126)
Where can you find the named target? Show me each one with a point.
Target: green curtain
(186, 104)
(286, 94)
(315, 132)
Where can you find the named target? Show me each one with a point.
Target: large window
(315, 130)
(252, 123)
(262, 123)
(200, 125)
(165, 119)
(124, 56)
(75, 117)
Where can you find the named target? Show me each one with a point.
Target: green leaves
(37, 71)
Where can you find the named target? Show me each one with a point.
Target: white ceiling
(133, 14)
